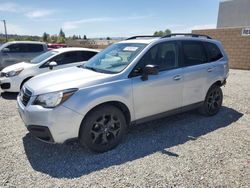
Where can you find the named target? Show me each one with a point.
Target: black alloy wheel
(103, 128)
(213, 101)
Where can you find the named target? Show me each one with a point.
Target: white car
(13, 77)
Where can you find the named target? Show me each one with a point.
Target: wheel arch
(120, 105)
(25, 80)
(216, 82)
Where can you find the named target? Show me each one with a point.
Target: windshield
(114, 58)
(43, 56)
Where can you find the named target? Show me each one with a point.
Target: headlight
(14, 72)
(51, 100)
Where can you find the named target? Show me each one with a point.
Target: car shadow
(72, 161)
(9, 95)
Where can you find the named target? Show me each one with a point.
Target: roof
(68, 49)
(147, 39)
(27, 42)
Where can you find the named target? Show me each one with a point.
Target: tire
(103, 128)
(213, 101)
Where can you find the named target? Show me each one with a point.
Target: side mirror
(5, 50)
(52, 64)
(149, 70)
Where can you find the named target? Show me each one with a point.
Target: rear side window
(17, 48)
(35, 48)
(213, 51)
(194, 53)
(85, 55)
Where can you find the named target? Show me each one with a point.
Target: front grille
(25, 95)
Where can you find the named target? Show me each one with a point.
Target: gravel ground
(186, 150)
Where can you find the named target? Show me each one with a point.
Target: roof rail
(141, 36)
(187, 34)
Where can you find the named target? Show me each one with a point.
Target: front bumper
(41, 132)
(55, 125)
(10, 84)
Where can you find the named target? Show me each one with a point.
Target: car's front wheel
(213, 101)
(103, 128)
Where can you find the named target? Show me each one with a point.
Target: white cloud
(9, 7)
(75, 24)
(28, 11)
(13, 29)
(39, 13)
(70, 25)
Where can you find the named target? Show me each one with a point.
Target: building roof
(234, 13)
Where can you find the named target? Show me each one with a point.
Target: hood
(17, 66)
(73, 77)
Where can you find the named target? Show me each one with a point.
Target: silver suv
(18, 51)
(133, 81)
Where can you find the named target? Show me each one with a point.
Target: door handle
(210, 69)
(177, 77)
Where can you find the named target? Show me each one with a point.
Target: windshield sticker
(130, 48)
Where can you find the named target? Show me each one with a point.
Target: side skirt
(168, 113)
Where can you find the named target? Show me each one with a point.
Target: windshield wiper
(98, 70)
(90, 68)
(118, 65)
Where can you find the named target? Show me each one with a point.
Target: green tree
(162, 33)
(28, 38)
(61, 37)
(108, 38)
(45, 37)
(61, 34)
(156, 33)
(60, 40)
(167, 32)
(84, 37)
(53, 38)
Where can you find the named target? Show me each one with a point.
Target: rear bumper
(224, 83)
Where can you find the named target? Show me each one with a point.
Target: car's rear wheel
(213, 101)
(103, 128)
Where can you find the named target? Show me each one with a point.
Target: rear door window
(66, 58)
(85, 55)
(193, 53)
(213, 51)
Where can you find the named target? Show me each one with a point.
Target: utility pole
(5, 29)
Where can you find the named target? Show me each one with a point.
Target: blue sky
(102, 18)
